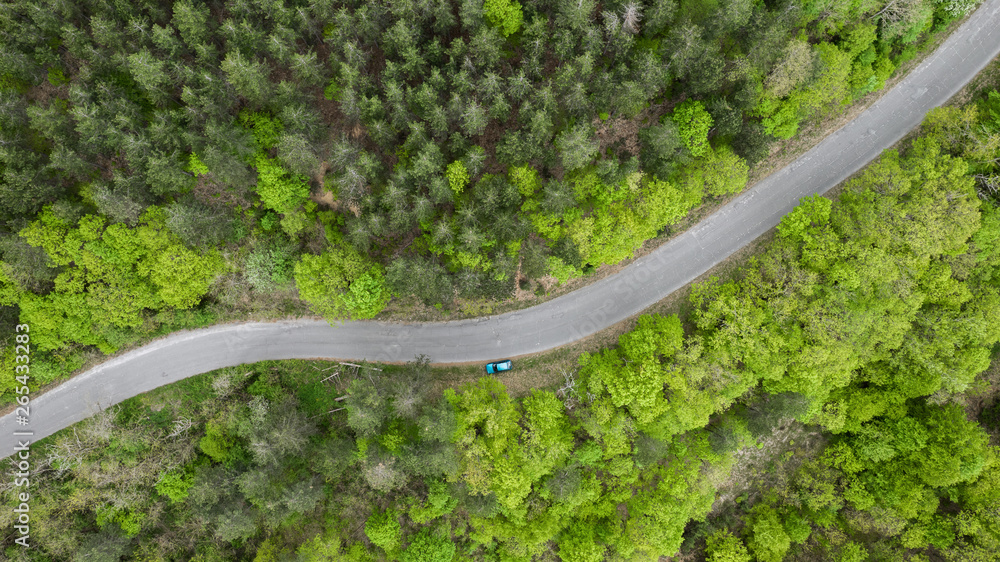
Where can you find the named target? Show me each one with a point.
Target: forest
(171, 165)
(832, 400)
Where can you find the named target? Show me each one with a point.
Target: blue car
(498, 366)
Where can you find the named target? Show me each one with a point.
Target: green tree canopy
(110, 275)
(693, 123)
(340, 283)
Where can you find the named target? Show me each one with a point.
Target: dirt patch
(522, 294)
(216, 195)
(769, 463)
(329, 109)
(617, 130)
(325, 198)
(320, 173)
(44, 92)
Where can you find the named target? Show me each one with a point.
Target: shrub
(693, 124)
(367, 295)
(196, 166)
(174, 485)
(340, 283)
(428, 548)
(458, 176)
(215, 443)
(505, 15)
(384, 531)
(722, 546)
(768, 539)
(279, 189)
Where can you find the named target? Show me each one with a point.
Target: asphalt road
(559, 321)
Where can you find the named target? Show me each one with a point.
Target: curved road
(559, 321)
